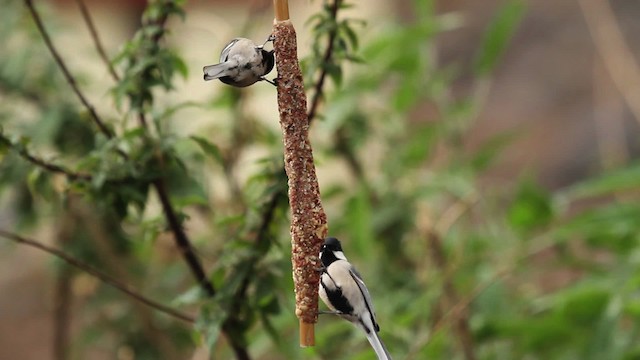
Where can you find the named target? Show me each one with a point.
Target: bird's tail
(214, 71)
(378, 346)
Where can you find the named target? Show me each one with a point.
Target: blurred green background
(477, 159)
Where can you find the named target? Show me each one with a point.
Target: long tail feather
(378, 346)
(214, 71)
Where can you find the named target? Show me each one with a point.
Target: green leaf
(179, 64)
(334, 71)
(585, 306)
(418, 147)
(489, 151)
(184, 189)
(358, 214)
(613, 227)
(210, 323)
(209, 148)
(35, 181)
(531, 208)
(189, 297)
(497, 36)
(627, 178)
(350, 34)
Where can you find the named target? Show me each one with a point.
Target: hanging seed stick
(308, 220)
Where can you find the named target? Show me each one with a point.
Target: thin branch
(267, 217)
(98, 274)
(142, 120)
(62, 317)
(182, 240)
(59, 169)
(614, 51)
(96, 224)
(63, 297)
(70, 79)
(453, 213)
(318, 92)
(96, 39)
(461, 322)
(230, 325)
(22, 151)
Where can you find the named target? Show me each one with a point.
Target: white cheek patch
(340, 255)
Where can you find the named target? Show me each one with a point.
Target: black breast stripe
(337, 299)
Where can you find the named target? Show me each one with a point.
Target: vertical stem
(461, 323)
(62, 315)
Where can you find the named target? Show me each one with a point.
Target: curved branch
(96, 39)
(70, 79)
(22, 151)
(616, 54)
(98, 274)
(318, 92)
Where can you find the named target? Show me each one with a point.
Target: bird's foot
(273, 82)
(330, 312)
(269, 39)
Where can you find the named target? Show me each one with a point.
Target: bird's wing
(365, 294)
(224, 54)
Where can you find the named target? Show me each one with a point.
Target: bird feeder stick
(308, 219)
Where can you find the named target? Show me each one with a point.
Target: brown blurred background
(552, 82)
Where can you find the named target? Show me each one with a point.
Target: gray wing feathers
(224, 54)
(365, 294)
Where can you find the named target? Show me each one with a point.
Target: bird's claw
(273, 82)
(269, 39)
(330, 312)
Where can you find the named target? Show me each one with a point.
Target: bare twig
(97, 226)
(318, 89)
(230, 325)
(608, 118)
(616, 55)
(96, 39)
(63, 296)
(453, 213)
(42, 163)
(182, 240)
(261, 236)
(98, 274)
(461, 322)
(70, 79)
(62, 316)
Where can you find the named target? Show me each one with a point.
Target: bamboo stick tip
(281, 8)
(307, 334)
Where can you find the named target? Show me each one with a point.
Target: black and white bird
(242, 63)
(344, 292)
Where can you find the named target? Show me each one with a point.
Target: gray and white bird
(344, 292)
(242, 63)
